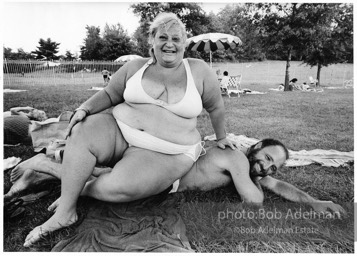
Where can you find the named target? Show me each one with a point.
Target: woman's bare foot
(31, 163)
(56, 222)
(29, 178)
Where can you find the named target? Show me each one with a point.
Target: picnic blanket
(95, 88)
(310, 90)
(10, 162)
(330, 158)
(249, 91)
(147, 225)
(49, 133)
(13, 90)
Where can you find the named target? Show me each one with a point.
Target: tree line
(319, 34)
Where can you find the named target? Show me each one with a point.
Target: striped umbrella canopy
(211, 42)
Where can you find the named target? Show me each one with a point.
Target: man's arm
(239, 170)
(294, 194)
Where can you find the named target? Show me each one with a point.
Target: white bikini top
(189, 106)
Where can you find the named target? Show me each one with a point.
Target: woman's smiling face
(169, 45)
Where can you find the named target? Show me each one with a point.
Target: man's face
(266, 161)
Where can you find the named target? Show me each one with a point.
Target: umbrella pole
(210, 58)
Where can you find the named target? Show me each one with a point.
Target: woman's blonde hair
(38, 115)
(166, 20)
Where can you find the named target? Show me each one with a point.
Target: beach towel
(148, 225)
(13, 90)
(50, 132)
(95, 88)
(249, 91)
(10, 162)
(329, 158)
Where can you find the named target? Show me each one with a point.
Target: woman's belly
(158, 122)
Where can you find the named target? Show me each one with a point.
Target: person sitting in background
(293, 86)
(151, 138)
(17, 122)
(224, 82)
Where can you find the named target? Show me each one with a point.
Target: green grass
(301, 120)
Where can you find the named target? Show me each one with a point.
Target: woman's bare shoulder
(199, 69)
(197, 63)
(133, 66)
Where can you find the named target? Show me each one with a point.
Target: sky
(25, 22)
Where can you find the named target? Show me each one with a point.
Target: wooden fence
(269, 73)
(32, 72)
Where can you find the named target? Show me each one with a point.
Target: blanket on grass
(148, 225)
(330, 158)
(49, 134)
(13, 90)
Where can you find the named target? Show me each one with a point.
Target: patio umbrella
(126, 58)
(211, 42)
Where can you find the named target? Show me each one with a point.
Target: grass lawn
(301, 120)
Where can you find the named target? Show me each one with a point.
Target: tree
(47, 50)
(321, 33)
(280, 26)
(7, 53)
(116, 42)
(331, 40)
(191, 14)
(69, 56)
(93, 44)
(19, 55)
(236, 19)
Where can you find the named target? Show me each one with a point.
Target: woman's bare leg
(141, 173)
(97, 139)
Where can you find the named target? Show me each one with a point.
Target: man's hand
(325, 206)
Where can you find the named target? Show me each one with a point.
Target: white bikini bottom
(142, 139)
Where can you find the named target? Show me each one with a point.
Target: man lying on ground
(217, 168)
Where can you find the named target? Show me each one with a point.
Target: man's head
(266, 157)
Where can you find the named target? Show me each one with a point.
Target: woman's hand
(78, 116)
(222, 143)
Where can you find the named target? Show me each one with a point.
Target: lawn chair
(234, 85)
(313, 81)
(348, 83)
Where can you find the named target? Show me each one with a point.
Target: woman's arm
(213, 103)
(18, 111)
(110, 95)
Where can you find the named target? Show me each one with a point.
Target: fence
(32, 72)
(270, 73)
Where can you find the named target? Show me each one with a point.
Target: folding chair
(234, 85)
(348, 83)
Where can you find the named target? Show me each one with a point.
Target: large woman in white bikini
(152, 140)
